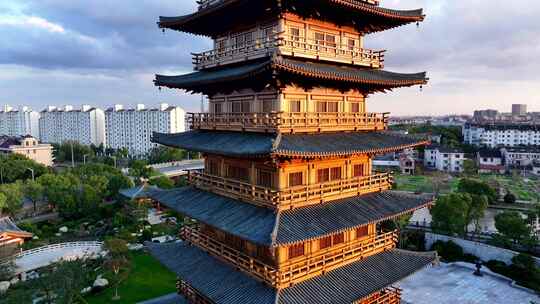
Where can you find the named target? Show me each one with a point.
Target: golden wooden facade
(292, 36)
(283, 266)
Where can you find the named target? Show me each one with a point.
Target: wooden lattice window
(362, 232)
(328, 106)
(358, 170)
(355, 107)
(296, 179)
(241, 107)
(295, 33)
(268, 105)
(338, 238)
(239, 173)
(335, 173)
(213, 167)
(325, 242)
(265, 178)
(218, 107)
(323, 175)
(351, 44)
(295, 106)
(296, 251)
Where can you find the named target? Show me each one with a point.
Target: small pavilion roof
(223, 284)
(138, 192)
(266, 227)
(312, 74)
(8, 227)
(247, 144)
(224, 15)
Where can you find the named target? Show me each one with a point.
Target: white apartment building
(19, 122)
(86, 125)
(520, 157)
(444, 159)
(490, 161)
(133, 128)
(501, 135)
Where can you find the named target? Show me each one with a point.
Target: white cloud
(31, 21)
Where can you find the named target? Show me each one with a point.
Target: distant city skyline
(56, 52)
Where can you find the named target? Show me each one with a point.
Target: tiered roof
(268, 228)
(223, 284)
(9, 228)
(258, 74)
(367, 18)
(245, 144)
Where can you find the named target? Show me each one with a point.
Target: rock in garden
(4, 286)
(63, 229)
(86, 290)
(101, 282)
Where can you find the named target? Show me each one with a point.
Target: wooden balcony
(292, 197)
(306, 267)
(391, 295)
(290, 122)
(298, 269)
(293, 46)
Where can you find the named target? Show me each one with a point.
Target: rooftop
(366, 18)
(244, 144)
(143, 191)
(266, 227)
(257, 73)
(7, 226)
(223, 284)
(492, 153)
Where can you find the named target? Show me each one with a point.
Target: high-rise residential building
(501, 135)
(133, 128)
(289, 209)
(20, 122)
(519, 109)
(85, 125)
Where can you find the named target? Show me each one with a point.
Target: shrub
(510, 198)
(448, 251)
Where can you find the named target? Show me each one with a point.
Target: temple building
(289, 208)
(11, 237)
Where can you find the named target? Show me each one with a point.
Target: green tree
(510, 198)
(14, 167)
(512, 226)
(139, 169)
(448, 214)
(476, 208)
(162, 182)
(469, 167)
(62, 152)
(3, 202)
(63, 283)
(34, 192)
(14, 197)
(166, 154)
(118, 261)
(478, 188)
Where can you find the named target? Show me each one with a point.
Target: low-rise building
(444, 159)
(520, 157)
(11, 237)
(490, 161)
(501, 135)
(28, 146)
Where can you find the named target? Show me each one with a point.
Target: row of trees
(14, 167)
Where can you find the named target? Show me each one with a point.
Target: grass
(148, 279)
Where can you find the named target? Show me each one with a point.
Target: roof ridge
(273, 236)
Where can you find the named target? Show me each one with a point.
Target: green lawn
(148, 279)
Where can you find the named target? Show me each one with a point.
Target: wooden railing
(292, 197)
(203, 4)
(284, 122)
(294, 46)
(298, 269)
(307, 267)
(390, 295)
(237, 258)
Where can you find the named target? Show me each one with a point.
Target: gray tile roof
(368, 18)
(369, 79)
(8, 226)
(256, 224)
(247, 144)
(142, 191)
(224, 285)
(172, 298)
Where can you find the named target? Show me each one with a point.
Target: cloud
(31, 21)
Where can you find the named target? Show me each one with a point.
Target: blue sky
(478, 54)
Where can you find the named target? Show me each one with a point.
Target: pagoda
(288, 208)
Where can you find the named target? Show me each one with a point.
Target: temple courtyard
(450, 284)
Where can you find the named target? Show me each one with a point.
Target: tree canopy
(14, 195)
(453, 213)
(14, 167)
(512, 226)
(478, 188)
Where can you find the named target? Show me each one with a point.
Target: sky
(479, 54)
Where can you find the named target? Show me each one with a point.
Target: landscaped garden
(146, 274)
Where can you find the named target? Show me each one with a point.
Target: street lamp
(32, 170)
(114, 158)
(84, 158)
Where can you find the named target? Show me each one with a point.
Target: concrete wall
(483, 251)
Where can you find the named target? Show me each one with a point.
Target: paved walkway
(40, 257)
(451, 284)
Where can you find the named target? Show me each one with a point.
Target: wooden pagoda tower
(288, 208)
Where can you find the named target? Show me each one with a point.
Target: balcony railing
(292, 197)
(298, 269)
(391, 295)
(203, 4)
(294, 46)
(290, 122)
